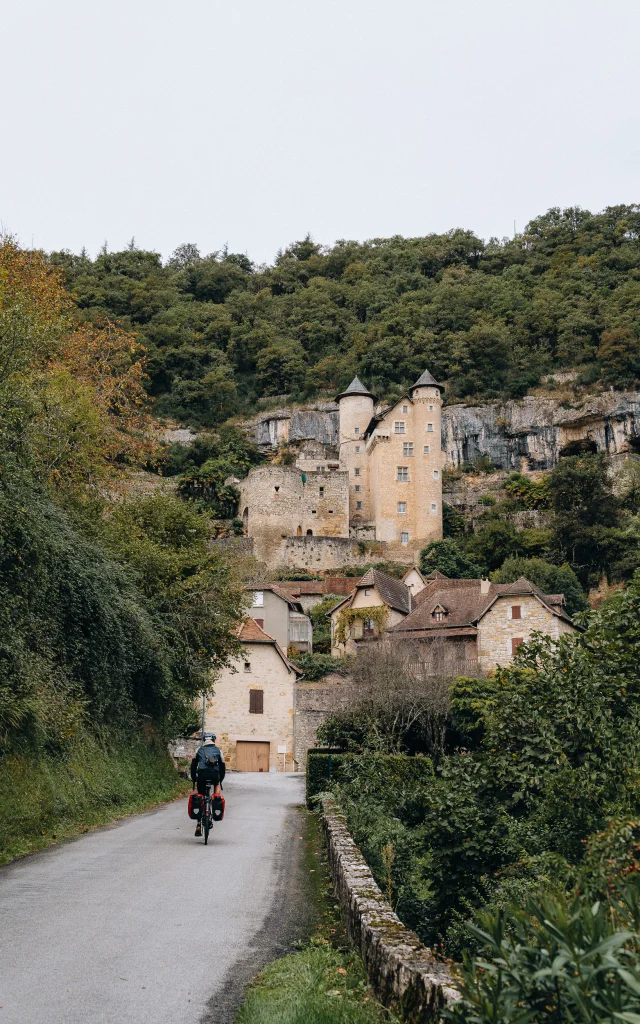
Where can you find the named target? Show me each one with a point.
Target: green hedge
(325, 768)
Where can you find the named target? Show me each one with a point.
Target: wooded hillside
(490, 318)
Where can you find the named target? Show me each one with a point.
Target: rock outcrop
(531, 433)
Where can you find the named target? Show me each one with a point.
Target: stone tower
(426, 398)
(356, 412)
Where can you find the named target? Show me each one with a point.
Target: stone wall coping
(403, 973)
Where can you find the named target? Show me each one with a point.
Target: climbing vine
(377, 613)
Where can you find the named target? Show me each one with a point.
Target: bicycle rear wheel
(207, 826)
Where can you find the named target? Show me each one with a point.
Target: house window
(405, 408)
(429, 428)
(356, 430)
(426, 449)
(358, 504)
(404, 538)
(258, 598)
(356, 472)
(434, 508)
(256, 702)
(357, 488)
(299, 629)
(436, 474)
(247, 666)
(407, 449)
(403, 474)
(402, 507)
(260, 623)
(367, 593)
(515, 643)
(439, 615)
(398, 427)
(321, 490)
(357, 449)
(516, 611)
(368, 627)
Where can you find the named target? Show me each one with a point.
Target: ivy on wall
(378, 614)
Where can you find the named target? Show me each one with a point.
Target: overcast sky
(252, 123)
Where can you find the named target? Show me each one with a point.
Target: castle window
(402, 507)
(436, 474)
(313, 511)
(356, 430)
(357, 449)
(430, 408)
(321, 491)
(258, 599)
(309, 533)
(407, 449)
(398, 427)
(357, 488)
(403, 474)
(426, 449)
(330, 511)
(276, 489)
(429, 428)
(434, 508)
(404, 538)
(356, 472)
(405, 408)
(358, 504)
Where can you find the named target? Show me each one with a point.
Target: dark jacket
(208, 757)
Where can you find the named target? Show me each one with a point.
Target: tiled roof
(465, 603)
(278, 591)
(427, 380)
(356, 387)
(393, 592)
(332, 585)
(249, 632)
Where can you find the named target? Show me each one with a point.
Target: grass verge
(47, 798)
(325, 981)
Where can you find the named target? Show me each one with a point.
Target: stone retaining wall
(403, 973)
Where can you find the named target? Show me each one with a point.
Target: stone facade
(315, 702)
(497, 629)
(385, 486)
(262, 668)
(324, 553)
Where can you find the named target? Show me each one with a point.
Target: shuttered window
(515, 643)
(256, 702)
(516, 611)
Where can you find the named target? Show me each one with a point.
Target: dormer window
(439, 613)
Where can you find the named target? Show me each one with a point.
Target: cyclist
(207, 766)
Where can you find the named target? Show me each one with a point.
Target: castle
(385, 487)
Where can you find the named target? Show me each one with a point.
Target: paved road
(140, 923)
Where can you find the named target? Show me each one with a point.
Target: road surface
(140, 923)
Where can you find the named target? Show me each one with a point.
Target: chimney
(484, 586)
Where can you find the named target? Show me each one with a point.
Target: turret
(356, 409)
(426, 395)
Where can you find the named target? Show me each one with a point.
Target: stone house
(252, 710)
(384, 486)
(469, 627)
(377, 602)
(414, 580)
(281, 616)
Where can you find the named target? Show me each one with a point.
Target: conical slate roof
(356, 387)
(426, 380)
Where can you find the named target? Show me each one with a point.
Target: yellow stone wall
(496, 629)
(355, 414)
(228, 710)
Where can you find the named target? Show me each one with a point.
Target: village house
(252, 710)
(281, 616)
(469, 627)
(377, 602)
(310, 593)
(384, 486)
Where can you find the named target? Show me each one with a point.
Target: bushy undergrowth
(48, 796)
(541, 799)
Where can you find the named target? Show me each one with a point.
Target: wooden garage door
(252, 757)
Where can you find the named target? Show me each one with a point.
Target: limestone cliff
(530, 433)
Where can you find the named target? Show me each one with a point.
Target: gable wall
(496, 628)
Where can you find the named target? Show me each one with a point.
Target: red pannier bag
(196, 803)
